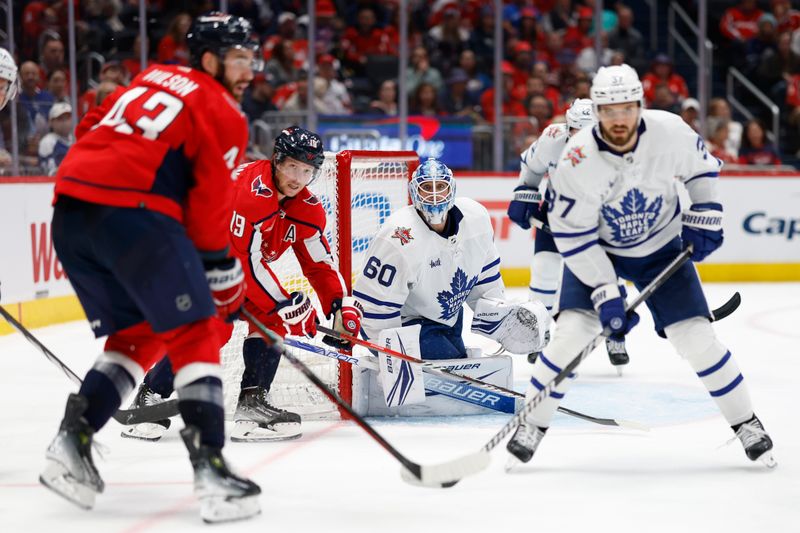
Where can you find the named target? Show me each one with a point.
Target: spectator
(112, 71)
(740, 23)
(482, 39)
(576, 36)
(756, 149)
(425, 102)
(281, 67)
(522, 54)
(458, 101)
(34, 101)
(664, 99)
(764, 42)
(587, 58)
(132, 63)
(718, 107)
(510, 106)
(53, 146)
(287, 31)
(421, 71)
(690, 113)
(661, 72)
(336, 100)
(298, 100)
(788, 18)
(541, 109)
(627, 39)
(51, 57)
(478, 81)
(529, 31)
(258, 97)
(447, 39)
(718, 139)
(386, 102)
(366, 39)
(776, 67)
(559, 18)
(172, 48)
(57, 85)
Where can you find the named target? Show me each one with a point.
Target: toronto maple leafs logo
(259, 189)
(575, 155)
(452, 300)
(636, 217)
(403, 234)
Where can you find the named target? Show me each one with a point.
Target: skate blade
(511, 464)
(57, 478)
(219, 509)
(249, 431)
(768, 460)
(146, 431)
(620, 368)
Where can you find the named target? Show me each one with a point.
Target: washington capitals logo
(259, 189)
(575, 155)
(312, 200)
(452, 300)
(636, 217)
(403, 234)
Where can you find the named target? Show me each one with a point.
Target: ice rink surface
(678, 477)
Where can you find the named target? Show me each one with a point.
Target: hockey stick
(718, 314)
(127, 417)
(442, 475)
(437, 370)
(531, 404)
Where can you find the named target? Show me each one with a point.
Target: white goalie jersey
(541, 157)
(635, 193)
(413, 272)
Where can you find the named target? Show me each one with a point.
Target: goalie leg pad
(401, 381)
(694, 339)
(520, 328)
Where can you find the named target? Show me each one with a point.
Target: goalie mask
(8, 72)
(433, 190)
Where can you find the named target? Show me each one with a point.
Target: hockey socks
(160, 379)
(260, 363)
(112, 378)
(201, 405)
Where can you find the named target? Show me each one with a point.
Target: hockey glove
(526, 204)
(609, 302)
(702, 227)
(298, 315)
(347, 314)
(226, 281)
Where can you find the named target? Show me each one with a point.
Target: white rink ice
(678, 477)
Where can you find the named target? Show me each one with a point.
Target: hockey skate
(151, 431)
(69, 469)
(223, 496)
(617, 354)
(257, 420)
(523, 444)
(756, 441)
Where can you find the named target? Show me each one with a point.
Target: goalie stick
(127, 417)
(718, 314)
(535, 400)
(440, 475)
(432, 368)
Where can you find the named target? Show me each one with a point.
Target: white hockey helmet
(580, 114)
(8, 71)
(433, 190)
(616, 84)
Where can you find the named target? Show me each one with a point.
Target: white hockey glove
(347, 314)
(520, 328)
(298, 315)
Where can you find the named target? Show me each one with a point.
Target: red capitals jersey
(263, 228)
(167, 143)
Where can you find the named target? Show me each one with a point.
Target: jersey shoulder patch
(403, 235)
(259, 188)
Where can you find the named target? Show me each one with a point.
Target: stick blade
(445, 475)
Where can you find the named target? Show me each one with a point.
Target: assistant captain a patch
(403, 234)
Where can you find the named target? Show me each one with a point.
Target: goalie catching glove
(298, 315)
(347, 314)
(520, 328)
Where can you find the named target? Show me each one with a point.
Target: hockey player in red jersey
(273, 211)
(142, 202)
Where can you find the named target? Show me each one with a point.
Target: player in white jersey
(429, 259)
(9, 83)
(536, 164)
(615, 212)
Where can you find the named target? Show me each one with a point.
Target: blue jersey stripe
(570, 235)
(703, 175)
(490, 265)
(488, 280)
(579, 249)
(543, 291)
(375, 301)
(382, 316)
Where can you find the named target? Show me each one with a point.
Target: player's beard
(619, 139)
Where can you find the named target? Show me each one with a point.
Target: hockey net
(359, 190)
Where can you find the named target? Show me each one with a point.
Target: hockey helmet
(299, 144)
(8, 72)
(616, 84)
(580, 114)
(218, 32)
(433, 190)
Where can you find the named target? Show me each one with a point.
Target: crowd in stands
(549, 59)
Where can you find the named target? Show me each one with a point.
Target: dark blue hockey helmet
(218, 32)
(299, 144)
